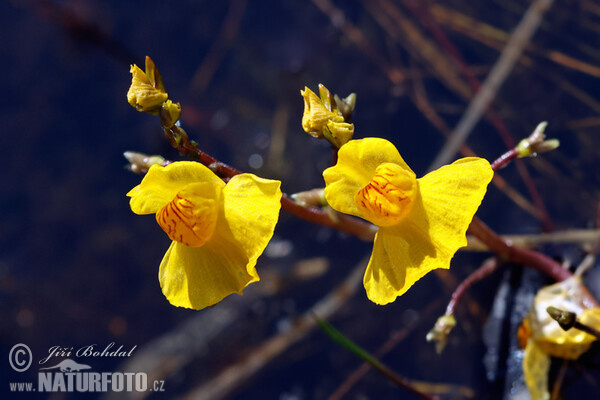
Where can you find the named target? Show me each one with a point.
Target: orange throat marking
(186, 222)
(388, 197)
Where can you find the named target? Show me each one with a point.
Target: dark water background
(78, 268)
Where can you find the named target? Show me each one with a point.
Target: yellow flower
(543, 337)
(218, 230)
(321, 121)
(422, 222)
(142, 94)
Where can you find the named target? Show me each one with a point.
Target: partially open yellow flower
(142, 94)
(422, 222)
(218, 230)
(322, 120)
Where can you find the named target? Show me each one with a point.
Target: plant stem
(480, 273)
(507, 252)
(505, 159)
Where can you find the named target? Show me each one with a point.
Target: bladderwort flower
(542, 337)
(218, 230)
(422, 222)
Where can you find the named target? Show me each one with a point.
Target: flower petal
(251, 206)
(536, 365)
(198, 277)
(161, 185)
(451, 196)
(401, 256)
(434, 230)
(356, 165)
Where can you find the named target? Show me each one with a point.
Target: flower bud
(536, 143)
(338, 133)
(323, 117)
(316, 115)
(439, 334)
(170, 113)
(142, 94)
(140, 163)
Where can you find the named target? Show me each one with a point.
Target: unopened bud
(310, 198)
(338, 133)
(565, 319)
(327, 117)
(536, 143)
(140, 163)
(146, 92)
(169, 113)
(439, 334)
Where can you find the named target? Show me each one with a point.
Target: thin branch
(507, 252)
(505, 159)
(486, 93)
(480, 273)
(513, 50)
(582, 237)
(562, 372)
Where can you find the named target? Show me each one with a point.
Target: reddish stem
(480, 273)
(505, 159)
(508, 252)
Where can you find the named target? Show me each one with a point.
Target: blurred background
(77, 267)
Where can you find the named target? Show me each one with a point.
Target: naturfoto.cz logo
(70, 376)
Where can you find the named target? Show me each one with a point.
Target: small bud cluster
(536, 143)
(329, 116)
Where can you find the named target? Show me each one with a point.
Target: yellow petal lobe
(251, 205)
(536, 365)
(389, 196)
(161, 184)
(401, 256)
(199, 277)
(451, 195)
(190, 218)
